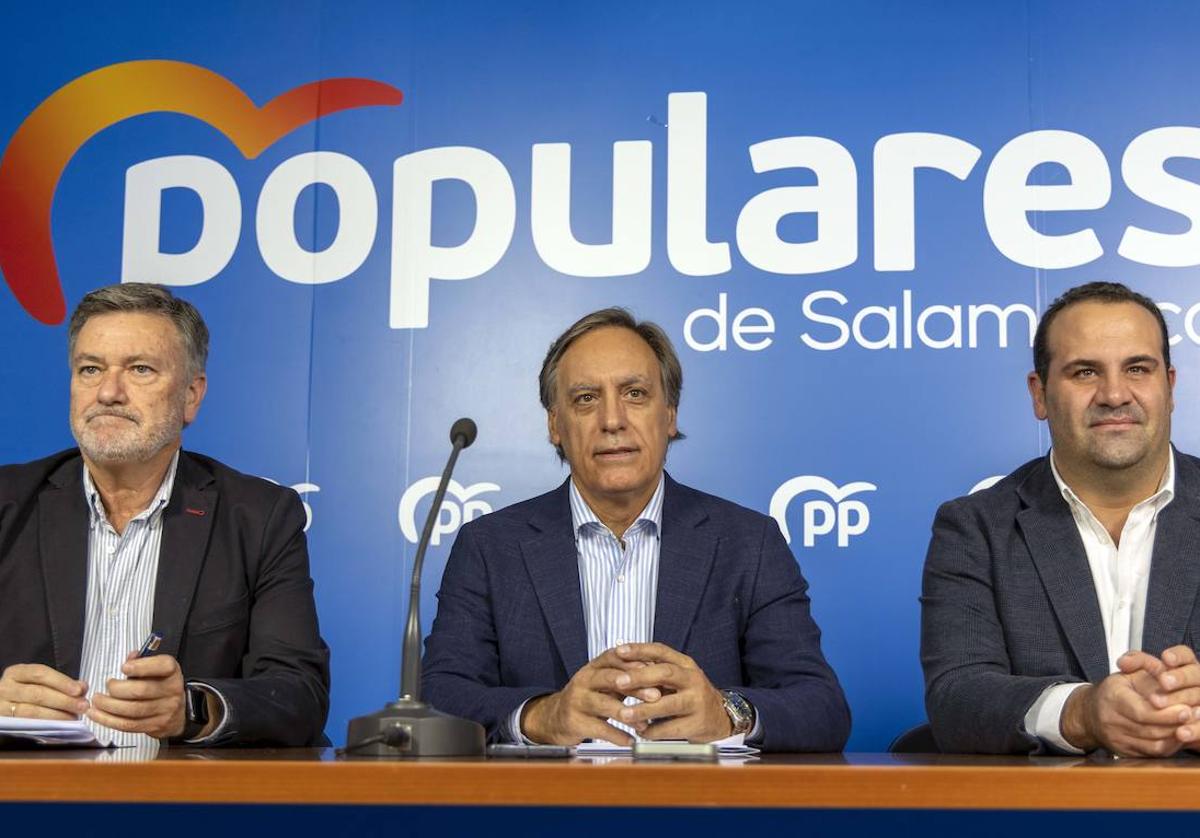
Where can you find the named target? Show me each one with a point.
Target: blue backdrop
(893, 190)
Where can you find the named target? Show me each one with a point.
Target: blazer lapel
(1061, 561)
(553, 565)
(187, 524)
(685, 559)
(63, 537)
(1175, 566)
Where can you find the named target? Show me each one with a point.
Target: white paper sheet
(18, 731)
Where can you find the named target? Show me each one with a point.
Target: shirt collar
(584, 519)
(153, 512)
(1164, 495)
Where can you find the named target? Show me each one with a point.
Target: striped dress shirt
(618, 577)
(618, 581)
(121, 573)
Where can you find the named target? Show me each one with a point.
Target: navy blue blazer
(1009, 606)
(510, 622)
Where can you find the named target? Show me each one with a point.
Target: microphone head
(464, 428)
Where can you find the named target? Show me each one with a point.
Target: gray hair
(652, 333)
(145, 298)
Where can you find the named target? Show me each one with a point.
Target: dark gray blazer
(233, 597)
(1009, 607)
(510, 622)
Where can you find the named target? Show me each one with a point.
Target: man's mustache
(1120, 414)
(123, 413)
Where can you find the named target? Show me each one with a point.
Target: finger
(1143, 683)
(1189, 734)
(35, 695)
(1189, 697)
(610, 659)
(37, 711)
(1181, 655)
(603, 730)
(597, 705)
(654, 653)
(130, 709)
(1135, 660)
(36, 673)
(677, 704)
(1180, 677)
(679, 727)
(648, 694)
(668, 675)
(1142, 714)
(154, 666)
(142, 689)
(129, 725)
(1139, 748)
(617, 683)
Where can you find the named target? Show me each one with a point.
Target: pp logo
(452, 515)
(303, 489)
(822, 516)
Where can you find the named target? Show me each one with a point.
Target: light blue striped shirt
(618, 581)
(121, 573)
(618, 577)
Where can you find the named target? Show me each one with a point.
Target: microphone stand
(408, 727)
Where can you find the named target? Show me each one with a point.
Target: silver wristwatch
(740, 711)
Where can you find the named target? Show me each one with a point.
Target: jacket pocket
(224, 615)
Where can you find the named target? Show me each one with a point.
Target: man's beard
(134, 442)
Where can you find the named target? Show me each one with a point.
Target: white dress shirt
(1120, 575)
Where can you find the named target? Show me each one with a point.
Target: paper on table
(19, 733)
(730, 746)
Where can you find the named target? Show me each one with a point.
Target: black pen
(150, 646)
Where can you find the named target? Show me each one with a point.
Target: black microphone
(467, 430)
(462, 434)
(408, 727)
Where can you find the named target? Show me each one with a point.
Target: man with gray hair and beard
(128, 537)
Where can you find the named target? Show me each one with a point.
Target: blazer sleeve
(461, 666)
(798, 700)
(282, 694)
(974, 701)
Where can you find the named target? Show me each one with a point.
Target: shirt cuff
(515, 735)
(1043, 719)
(756, 733)
(223, 712)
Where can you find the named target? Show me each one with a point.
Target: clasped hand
(1150, 708)
(148, 700)
(677, 700)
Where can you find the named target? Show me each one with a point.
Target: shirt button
(621, 577)
(619, 642)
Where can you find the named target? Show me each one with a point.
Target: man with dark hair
(623, 603)
(1058, 605)
(128, 535)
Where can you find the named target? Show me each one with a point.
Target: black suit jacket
(1009, 607)
(510, 621)
(233, 596)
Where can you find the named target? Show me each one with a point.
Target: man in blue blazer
(622, 602)
(1059, 606)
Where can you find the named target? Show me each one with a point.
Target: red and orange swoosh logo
(49, 137)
